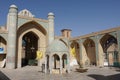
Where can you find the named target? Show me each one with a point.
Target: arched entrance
(29, 48)
(56, 61)
(110, 49)
(64, 61)
(31, 37)
(3, 44)
(90, 51)
(75, 45)
(3, 51)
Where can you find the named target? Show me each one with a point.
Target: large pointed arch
(29, 48)
(108, 40)
(31, 28)
(90, 51)
(30, 25)
(110, 47)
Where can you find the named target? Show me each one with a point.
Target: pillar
(99, 52)
(81, 51)
(45, 64)
(50, 64)
(19, 62)
(97, 47)
(60, 64)
(11, 48)
(50, 27)
(68, 63)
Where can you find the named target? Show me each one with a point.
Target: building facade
(24, 35)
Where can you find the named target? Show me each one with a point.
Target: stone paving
(34, 73)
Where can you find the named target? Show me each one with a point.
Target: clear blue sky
(82, 16)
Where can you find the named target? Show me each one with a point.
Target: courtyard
(35, 73)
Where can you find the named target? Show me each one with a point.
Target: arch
(75, 45)
(110, 47)
(4, 36)
(56, 61)
(89, 45)
(3, 44)
(64, 61)
(29, 48)
(39, 33)
(107, 40)
(31, 24)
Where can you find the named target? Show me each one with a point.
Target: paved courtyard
(34, 73)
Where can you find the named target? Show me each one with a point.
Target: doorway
(29, 48)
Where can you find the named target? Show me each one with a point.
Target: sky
(81, 16)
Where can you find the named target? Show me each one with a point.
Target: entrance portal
(29, 48)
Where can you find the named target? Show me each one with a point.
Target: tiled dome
(57, 46)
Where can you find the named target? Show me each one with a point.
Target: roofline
(97, 33)
(32, 18)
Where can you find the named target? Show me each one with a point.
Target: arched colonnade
(99, 49)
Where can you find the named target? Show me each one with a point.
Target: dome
(57, 46)
(13, 6)
(50, 14)
(25, 12)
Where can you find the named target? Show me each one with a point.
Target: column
(97, 47)
(19, 56)
(68, 63)
(99, 51)
(50, 27)
(12, 26)
(81, 48)
(45, 64)
(50, 64)
(60, 64)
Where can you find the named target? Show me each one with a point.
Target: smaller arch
(3, 47)
(56, 61)
(4, 36)
(64, 60)
(3, 40)
(89, 43)
(3, 44)
(56, 56)
(64, 56)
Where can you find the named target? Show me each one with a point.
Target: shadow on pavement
(3, 76)
(102, 77)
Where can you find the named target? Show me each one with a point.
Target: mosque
(24, 35)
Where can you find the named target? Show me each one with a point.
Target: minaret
(11, 47)
(51, 27)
